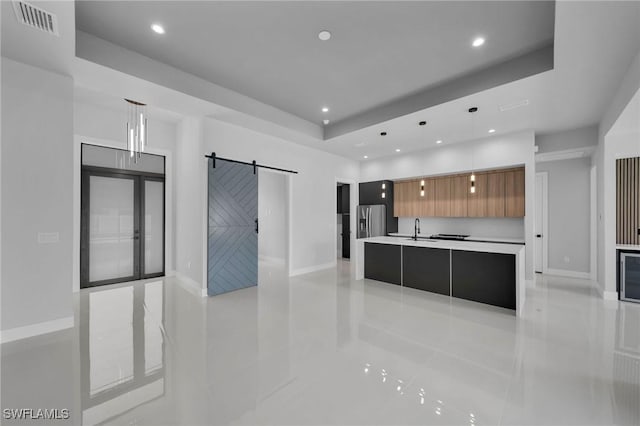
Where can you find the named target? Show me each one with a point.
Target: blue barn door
(232, 258)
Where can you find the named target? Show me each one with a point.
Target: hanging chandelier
(136, 129)
(472, 178)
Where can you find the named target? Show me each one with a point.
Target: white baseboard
(568, 274)
(275, 260)
(190, 285)
(314, 268)
(606, 295)
(31, 330)
(610, 295)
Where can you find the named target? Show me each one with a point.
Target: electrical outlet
(189, 265)
(566, 259)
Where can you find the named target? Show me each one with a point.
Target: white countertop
(470, 238)
(449, 244)
(627, 247)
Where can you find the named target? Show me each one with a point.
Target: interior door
(232, 257)
(538, 224)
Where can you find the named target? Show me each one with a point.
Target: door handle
(256, 226)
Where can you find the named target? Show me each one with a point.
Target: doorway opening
(122, 222)
(343, 221)
(273, 217)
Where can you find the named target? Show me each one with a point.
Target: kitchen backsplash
(479, 227)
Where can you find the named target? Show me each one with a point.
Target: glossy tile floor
(322, 349)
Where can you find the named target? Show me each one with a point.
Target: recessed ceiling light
(492, 130)
(157, 28)
(477, 42)
(383, 133)
(325, 109)
(366, 156)
(397, 149)
(438, 141)
(324, 35)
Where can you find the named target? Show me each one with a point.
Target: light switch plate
(48, 237)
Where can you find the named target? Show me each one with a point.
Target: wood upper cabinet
(400, 202)
(499, 193)
(477, 202)
(442, 200)
(495, 194)
(514, 193)
(428, 202)
(460, 186)
(414, 198)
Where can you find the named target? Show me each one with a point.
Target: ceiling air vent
(35, 17)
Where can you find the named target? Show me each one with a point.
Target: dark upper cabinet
(372, 193)
(343, 199)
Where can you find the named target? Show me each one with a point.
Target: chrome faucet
(416, 229)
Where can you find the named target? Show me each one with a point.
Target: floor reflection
(626, 365)
(324, 349)
(122, 348)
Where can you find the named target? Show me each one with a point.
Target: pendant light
(136, 129)
(422, 124)
(472, 178)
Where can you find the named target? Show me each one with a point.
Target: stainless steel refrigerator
(372, 221)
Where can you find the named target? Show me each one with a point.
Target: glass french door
(122, 230)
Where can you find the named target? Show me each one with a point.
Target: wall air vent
(36, 17)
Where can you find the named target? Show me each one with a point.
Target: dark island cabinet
(371, 193)
(484, 277)
(382, 262)
(426, 269)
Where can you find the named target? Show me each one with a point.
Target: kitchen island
(490, 273)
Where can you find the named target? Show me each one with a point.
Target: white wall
(569, 139)
(489, 153)
(99, 122)
(512, 227)
(569, 212)
(273, 218)
(604, 160)
(37, 175)
(191, 193)
(312, 192)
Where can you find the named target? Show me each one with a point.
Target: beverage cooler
(630, 277)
